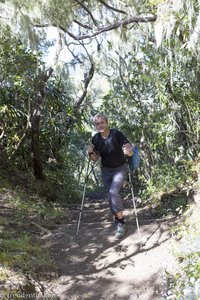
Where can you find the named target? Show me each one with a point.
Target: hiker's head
(99, 117)
(101, 122)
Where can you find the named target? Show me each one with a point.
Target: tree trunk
(182, 129)
(35, 126)
(35, 145)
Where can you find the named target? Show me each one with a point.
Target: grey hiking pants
(113, 179)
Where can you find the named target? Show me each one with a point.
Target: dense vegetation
(136, 61)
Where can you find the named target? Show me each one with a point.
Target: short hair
(97, 116)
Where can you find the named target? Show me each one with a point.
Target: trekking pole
(82, 201)
(134, 203)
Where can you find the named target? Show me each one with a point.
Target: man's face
(101, 124)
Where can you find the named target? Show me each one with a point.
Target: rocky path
(97, 266)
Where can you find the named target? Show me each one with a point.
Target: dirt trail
(99, 267)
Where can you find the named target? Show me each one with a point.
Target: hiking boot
(121, 230)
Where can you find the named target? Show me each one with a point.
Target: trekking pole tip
(143, 242)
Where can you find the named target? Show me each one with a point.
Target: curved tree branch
(136, 19)
(86, 83)
(70, 120)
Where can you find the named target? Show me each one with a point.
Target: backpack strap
(118, 138)
(113, 133)
(96, 140)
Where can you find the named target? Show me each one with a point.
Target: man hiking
(113, 147)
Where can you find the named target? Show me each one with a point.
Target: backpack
(134, 160)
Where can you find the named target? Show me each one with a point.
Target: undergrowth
(185, 283)
(168, 190)
(24, 218)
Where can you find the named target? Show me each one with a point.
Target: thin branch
(2, 128)
(75, 56)
(112, 8)
(76, 44)
(126, 85)
(82, 25)
(71, 43)
(5, 18)
(88, 11)
(41, 228)
(106, 75)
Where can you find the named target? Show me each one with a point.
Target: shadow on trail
(98, 266)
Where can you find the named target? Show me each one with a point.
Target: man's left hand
(127, 149)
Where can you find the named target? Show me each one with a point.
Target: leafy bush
(185, 284)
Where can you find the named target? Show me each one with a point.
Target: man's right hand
(92, 153)
(90, 149)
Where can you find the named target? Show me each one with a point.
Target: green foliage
(18, 71)
(151, 100)
(183, 18)
(153, 96)
(185, 284)
(166, 192)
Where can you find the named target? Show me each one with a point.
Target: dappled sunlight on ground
(98, 266)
